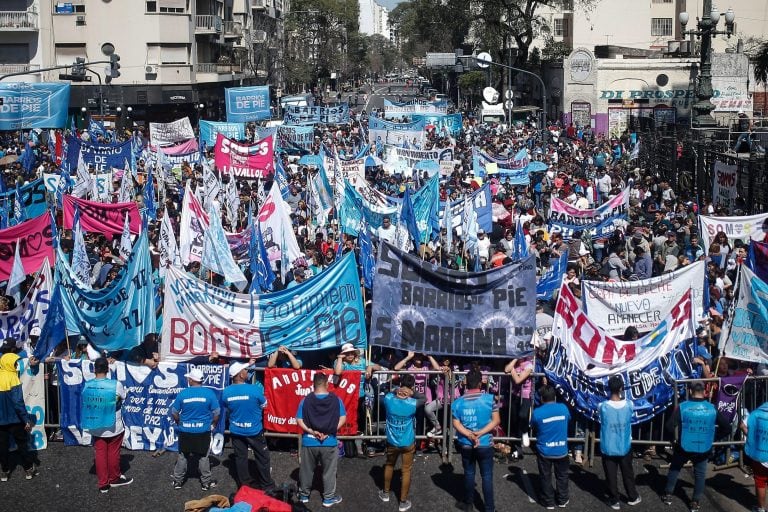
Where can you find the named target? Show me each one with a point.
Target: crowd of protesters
(659, 236)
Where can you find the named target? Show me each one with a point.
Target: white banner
(163, 134)
(614, 306)
(745, 335)
(752, 227)
(33, 388)
(598, 354)
(724, 190)
(402, 159)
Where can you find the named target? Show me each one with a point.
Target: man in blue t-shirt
(196, 412)
(401, 437)
(550, 421)
(475, 416)
(320, 416)
(244, 403)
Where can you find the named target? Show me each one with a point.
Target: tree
(760, 60)
(431, 25)
(553, 50)
(471, 84)
(382, 55)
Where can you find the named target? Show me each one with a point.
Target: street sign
(484, 60)
(441, 60)
(509, 94)
(509, 104)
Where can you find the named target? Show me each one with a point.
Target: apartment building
(177, 56)
(374, 19)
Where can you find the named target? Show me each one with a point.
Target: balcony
(259, 4)
(233, 29)
(219, 69)
(19, 21)
(208, 24)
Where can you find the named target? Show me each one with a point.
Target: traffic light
(114, 67)
(78, 67)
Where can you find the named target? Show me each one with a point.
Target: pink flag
(35, 245)
(101, 217)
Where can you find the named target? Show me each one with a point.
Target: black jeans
(21, 437)
(240, 444)
(611, 466)
(548, 494)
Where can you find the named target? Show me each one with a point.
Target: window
(662, 1)
(66, 53)
(167, 6)
(661, 26)
(561, 27)
(171, 53)
(68, 8)
(14, 53)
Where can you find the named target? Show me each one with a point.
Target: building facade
(374, 19)
(177, 56)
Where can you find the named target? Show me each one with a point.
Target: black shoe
(104, 489)
(210, 485)
(122, 480)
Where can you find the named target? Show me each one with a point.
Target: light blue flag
(368, 262)
(520, 246)
(408, 218)
(448, 225)
(17, 278)
(54, 230)
(19, 214)
(549, 282)
(217, 256)
(81, 266)
(281, 178)
(149, 195)
(263, 276)
(118, 316)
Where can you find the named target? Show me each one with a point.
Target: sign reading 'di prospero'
(420, 307)
(614, 306)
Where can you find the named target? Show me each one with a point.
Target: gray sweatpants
(329, 458)
(203, 465)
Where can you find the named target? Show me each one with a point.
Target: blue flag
(549, 282)
(340, 247)
(366, 255)
(27, 158)
(520, 246)
(149, 195)
(281, 178)
(54, 327)
(54, 230)
(19, 213)
(263, 276)
(81, 266)
(408, 218)
(96, 129)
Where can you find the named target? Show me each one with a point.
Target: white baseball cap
(195, 374)
(236, 368)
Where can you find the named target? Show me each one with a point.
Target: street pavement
(67, 482)
(390, 91)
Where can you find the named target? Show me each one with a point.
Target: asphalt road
(390, 91)
(67, 482)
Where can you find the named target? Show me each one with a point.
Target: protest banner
(442, 123)
(295, 138)
(245, 104)
(31, 105)
(164, 134)
(728, 395)
(597, 354)
(583, 357)
(616, 305)
(176, 161)
(32, 198)
(751, 227)
(33, 388)
(245, 160)
(146, 409)
(481, 200)
(286, 388)
(601, 221)
(209, 129)
(549, 282)
(408, 109)
(757, 259)
(514, 168)
(336, 114)
(437, 311)
(744, 332)
(182, 148)
(398, 157)
(724, 191)
(323, 312)
(35, 241)
(381, 131)
(107, 218)
(30, 312)
(116, 317)
(103, 157)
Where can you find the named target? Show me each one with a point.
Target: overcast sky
(389, 4)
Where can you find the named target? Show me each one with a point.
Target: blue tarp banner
(209, 129)
(450, 123)
(103, 157)
(118, 316)
(515, 168)
(601, 221)
(550, 280)
(336, 114)
(32, 198)
(423, 308)
(28, 106)
(323, 312)
(246, 104)
(146, 409)
(295, 138)
(381, 131)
